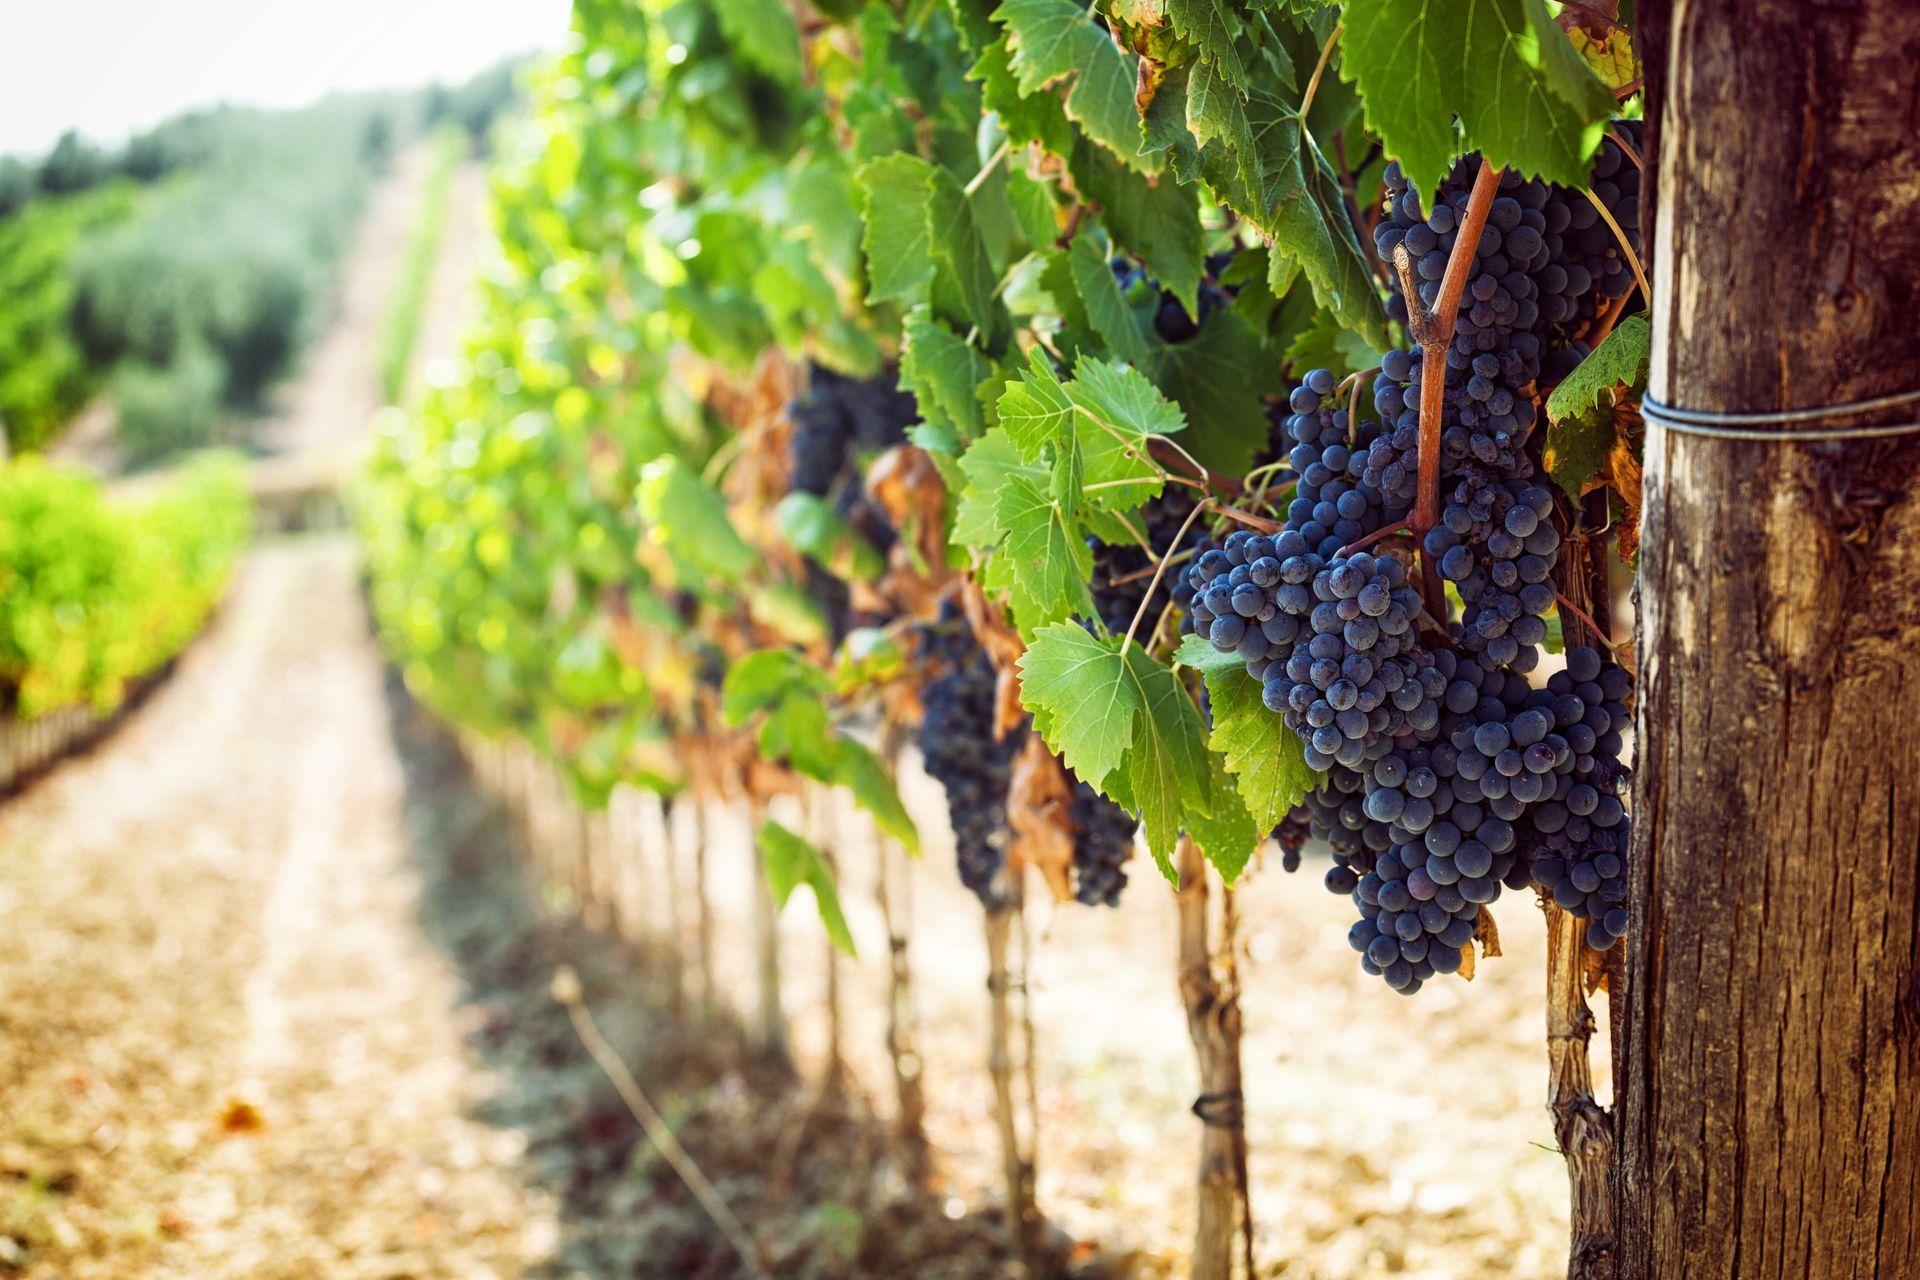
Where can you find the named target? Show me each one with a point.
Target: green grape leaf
(868, 656)
(1037, 118)
(1216, 109)
(1159, 221)
(1266, 759)
(1047, 550)
(764, 678)
(1166, 777)
(1035, 411)
(1220, 378)
(1522, 95)
(1076, 686)
(1581, 430)
(1055, 38)
(1323, 344)
(860, 771)
(1229, 835)
(764, 34)
(1205, 23)
(943, 371)
(969, 275)
(1619, 360)
(1107, 311)
(895, 194)
(1118, 410)
(1034, 209)
(988, 465)
(811, 525)
(797, 731)
(1307, 219)
(790, 611)
(684, 514)
(792, 862)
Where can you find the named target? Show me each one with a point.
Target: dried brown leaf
(1486, 933)
(1037, 810)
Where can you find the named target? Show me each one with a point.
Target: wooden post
(1213, 1024)
(1767, 1120)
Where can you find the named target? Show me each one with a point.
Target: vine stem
(1627, 147)
(1433, 331)
(1320, 69)
(1160, 570)
(1599, 633)
(986, 170)
(1363, 543)
(1633, 259)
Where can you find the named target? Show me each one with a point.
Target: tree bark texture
(1213, 1024)
(1768, 1124)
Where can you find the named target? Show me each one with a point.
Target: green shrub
(166, 409)
(95, 593)
(45, 376)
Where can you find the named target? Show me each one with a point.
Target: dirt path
(225, 1049)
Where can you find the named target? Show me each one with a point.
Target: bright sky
(111, 67)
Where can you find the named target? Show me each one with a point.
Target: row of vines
(1195, 423)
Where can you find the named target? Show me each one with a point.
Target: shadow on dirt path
(824, 1200)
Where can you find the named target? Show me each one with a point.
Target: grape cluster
(958, 747)
(1577, 836)
(836, 421)
(1448, 777)
(1102, 846)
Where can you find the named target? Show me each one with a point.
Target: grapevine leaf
(1035, 411)
(1267, 760)
(1076, 686)
(859, 770)
(1158, 220)
(1490, 64)
(1611, 57)
(942, 371)
(766, 677)
(956, 242)
(1323, 344)
(1119, 409)
(1055, 38)
(689, 518)
(814, 528)
(792, 862)
(1220, 378)
(1218, 110)
(1034, 209)
(1204, 22)
(988, 465)
(1307, 219)
(1107, 310)
(764, 33)
(1165, 777)
(796, 730)
(1047, 550)
(1619, 360)
(1037, 118)
(1567, 72)
(898, 241)
(1580, 410)
(1230, 834)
